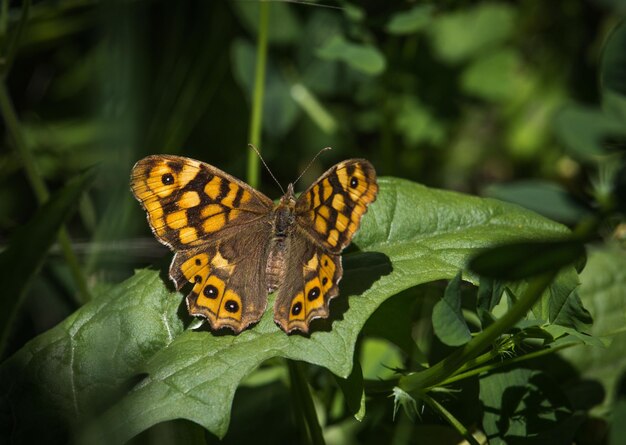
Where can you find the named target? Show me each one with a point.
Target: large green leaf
(127, 359)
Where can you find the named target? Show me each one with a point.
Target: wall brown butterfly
(236, 246)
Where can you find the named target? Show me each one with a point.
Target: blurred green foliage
(521, 101)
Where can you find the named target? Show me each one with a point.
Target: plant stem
(4, 19)
(502, 364)
(39, 187)
(300, 386)
(481, 359)
(301, 423)
(11, 45)
(439, 372)
(453, 421)
(256, 118)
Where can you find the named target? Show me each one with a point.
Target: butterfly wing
(189, 202)
(328, 215)
(310, 283)
(230, 286)
(332, 208)
(220, 229)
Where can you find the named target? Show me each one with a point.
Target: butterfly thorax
(282, 225)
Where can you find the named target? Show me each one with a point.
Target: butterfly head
(289, 198)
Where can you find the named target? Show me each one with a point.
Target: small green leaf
(448, 321)
(563, 334)
(465, 33)
(416, 123)
(565, 307)
(361, 57)
(495, 77)
(516, 261)
(584, 131)
(411, 21)
(29, 245)
(489, 296)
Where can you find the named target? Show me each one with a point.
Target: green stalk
(11, 44)
(301, 424)
(494, 366)
(441, 371)
(4, 19)
(453, 421)
(39, 187)
(256, 118)
(301, 387)
(480, 360)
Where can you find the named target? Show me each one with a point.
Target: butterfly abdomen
(282, 225)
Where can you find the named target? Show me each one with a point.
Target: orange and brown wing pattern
(310, 283)
(331, 209)
(229, 282)
(189, 202)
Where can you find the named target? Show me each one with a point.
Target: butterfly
(235, 245)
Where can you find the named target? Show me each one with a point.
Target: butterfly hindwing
(310, 283)
(189, 202)
(331, 209)
(229, 282)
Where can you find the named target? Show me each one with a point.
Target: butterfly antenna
(310, 163)
(268, 169)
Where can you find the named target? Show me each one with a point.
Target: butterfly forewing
(189, 202)
(332, 208)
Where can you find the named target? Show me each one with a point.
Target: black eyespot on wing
(354, 182)
(296, 308)
(167, 179)
(211, 291)
(197, 279)
(231, 306)
(313, 293)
